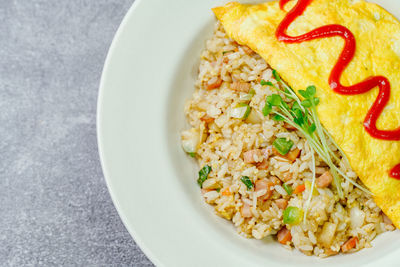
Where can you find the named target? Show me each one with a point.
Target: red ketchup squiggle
(344, 59)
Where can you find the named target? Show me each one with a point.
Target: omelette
(377, 52)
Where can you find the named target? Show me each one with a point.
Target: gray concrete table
(55, 208)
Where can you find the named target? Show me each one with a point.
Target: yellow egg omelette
(377, 35)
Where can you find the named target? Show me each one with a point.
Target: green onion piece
(282, 145)
(241, 111)
(248, 96)
(223, 53)
(292, 215)
(203, 175)
(288, 188)
(263, 82)
(192, 154)
(246, 180)
(218, 189)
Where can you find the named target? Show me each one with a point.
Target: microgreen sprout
(302, 115)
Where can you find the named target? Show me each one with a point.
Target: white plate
(148, 75)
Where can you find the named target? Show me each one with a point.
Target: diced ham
(241, 86)
(214, 83)
(263, 165)
(324, 180)
(245, 211)
(266, 185)
(247, 50)
(248, 156)
(284, 236)
(261, 185)
(291, 156)
(281, 203)
(207, 119)
(349, 244)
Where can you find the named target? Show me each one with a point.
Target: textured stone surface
(55, 208)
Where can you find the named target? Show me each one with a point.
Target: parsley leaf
(203, 175)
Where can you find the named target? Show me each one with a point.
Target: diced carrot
(215, 84)
(324, 180)
(248, 156)
(207, 119)
(349, 244)
(291, 156)
(241, 86)
(226, 192)
(300, 188)
(245, 211)
(284, 236)
(281, 203)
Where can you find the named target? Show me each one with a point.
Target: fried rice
(236, 148)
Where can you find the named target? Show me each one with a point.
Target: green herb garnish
(263, 82)
(288, 188)
(218, 189)
(302, 115)
(192, 154)
(276, 75)
(283, 145)
(246, 180)
(203, 175)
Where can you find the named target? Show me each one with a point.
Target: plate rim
(130, 227)
(132, 232)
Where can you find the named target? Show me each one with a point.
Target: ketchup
(344, 59)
